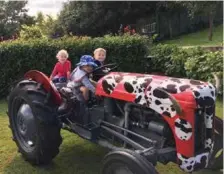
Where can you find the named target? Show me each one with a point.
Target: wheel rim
(26, 128)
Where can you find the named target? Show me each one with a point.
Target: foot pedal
(90, 131)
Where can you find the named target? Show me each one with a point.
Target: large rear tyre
(126, 162)
(33, 122)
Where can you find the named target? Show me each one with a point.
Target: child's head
(87, 63)
(100, 54)
(62, 56)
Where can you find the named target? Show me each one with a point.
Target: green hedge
(168, 59)
(194, 63)
(20, 56)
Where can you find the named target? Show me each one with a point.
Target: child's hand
(117, 79)
(106, 70)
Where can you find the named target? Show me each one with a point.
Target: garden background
(31, 42)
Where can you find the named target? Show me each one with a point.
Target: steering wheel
(112, 65)
(99, 72)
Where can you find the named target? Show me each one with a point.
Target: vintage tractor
(143, 119)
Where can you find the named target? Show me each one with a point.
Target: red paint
(185, 99)
(41, 78)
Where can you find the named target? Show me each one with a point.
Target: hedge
(129, 51)
(18, 57)
(195, 63)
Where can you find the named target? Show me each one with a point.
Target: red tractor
(143, 118)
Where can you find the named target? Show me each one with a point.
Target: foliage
(49, 26)
(97, 18)
(199, 64)
(12, 15)
(207, 8)
(201, 7)
(168, 59)
(31, 32)
(20, 56)
(195, 63)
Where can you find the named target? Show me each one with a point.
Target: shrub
(20, 56)
(202, 64)
(194, 63)
(168, 59)
(31, 32)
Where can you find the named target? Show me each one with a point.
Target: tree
(47, 24)
(40, 19)
(11, 14)
(97, 18)
(170, 8)
(207, 8)
(30, 32)
(27, 20)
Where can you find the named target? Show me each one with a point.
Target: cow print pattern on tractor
(204, 95)
(147, 93)
(109, 83)
(183, 129)
(193, 163)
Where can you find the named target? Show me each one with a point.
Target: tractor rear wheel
(126, 162)
(33, 122)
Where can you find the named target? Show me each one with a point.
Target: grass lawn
(199, 38)
(76, 155)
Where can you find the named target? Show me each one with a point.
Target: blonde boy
(99, 56)
(62, 69)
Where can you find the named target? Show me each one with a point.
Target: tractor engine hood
(156, 91)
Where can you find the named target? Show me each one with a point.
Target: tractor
(143, 119)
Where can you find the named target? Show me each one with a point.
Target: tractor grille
(200, 130)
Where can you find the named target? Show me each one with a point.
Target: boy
(80, 83)
(62, 69)
(99, 56)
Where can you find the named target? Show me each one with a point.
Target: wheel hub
(25, 125)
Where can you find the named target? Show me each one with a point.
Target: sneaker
(67, 92)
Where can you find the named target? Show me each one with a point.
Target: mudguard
(43, 79)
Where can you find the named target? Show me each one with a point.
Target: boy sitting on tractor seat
(79, 83)
(62, 69)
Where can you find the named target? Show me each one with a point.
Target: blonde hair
(62, 53)
(99, 50)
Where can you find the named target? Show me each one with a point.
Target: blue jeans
(59, 80)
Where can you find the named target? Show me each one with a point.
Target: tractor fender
(44, 80)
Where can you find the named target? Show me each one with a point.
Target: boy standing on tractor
(80, 85)
(62, 69)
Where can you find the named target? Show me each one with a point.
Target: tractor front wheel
(126, 162)
(33, 122)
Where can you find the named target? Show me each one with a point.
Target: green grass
(76, 155)
(199, 38)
